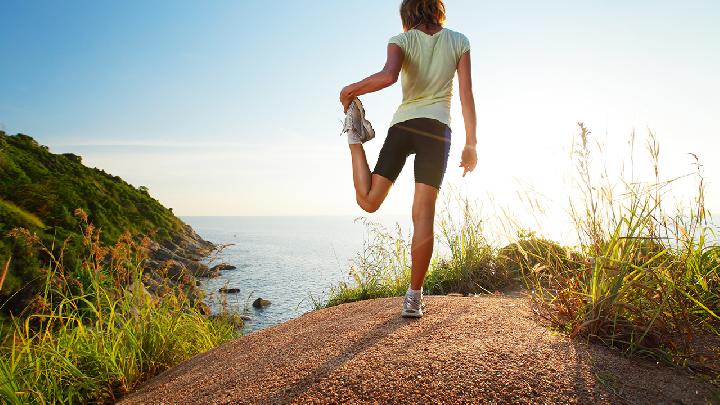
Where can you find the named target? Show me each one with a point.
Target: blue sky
(230, 107)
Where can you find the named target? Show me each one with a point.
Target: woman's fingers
(468, 166)
(345, 100)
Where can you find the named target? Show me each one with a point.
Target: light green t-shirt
(427, 73)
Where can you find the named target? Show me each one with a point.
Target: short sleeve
(464, 44)
(399, 40)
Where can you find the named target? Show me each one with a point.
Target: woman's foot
(359, 129)
(413, 304)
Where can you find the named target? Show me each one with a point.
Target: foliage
(382, 268)
(647, 277)
(39, 191)
(93, 334)
(472, 264)
(644, 278)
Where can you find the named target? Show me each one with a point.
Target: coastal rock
(260, 303)
(175, 264)
(223, 266)
(189, 244)
(226, 290)
(175, 258)
(200, 270)
(170, 276)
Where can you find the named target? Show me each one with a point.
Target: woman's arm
(468, 160)
(384, 78)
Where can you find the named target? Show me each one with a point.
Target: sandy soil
(479, 350)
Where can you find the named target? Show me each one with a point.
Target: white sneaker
(358, 128)
(413, 306)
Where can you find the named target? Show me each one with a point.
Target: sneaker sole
(411, 313)
(369, 131)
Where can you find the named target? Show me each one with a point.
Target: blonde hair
(416, 12)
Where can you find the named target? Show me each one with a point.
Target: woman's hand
(346, 97)
(468, 159)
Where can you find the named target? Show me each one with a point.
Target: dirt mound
(481, 349)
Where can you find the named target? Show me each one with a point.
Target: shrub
(94, 335)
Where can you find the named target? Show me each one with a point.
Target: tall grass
(470, 264)
(466, 262)
(380, 269)
(93, 335)
(647, 278)
(644, 276)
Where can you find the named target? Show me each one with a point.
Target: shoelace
(348, 124)
(355, 125)
(413, 302)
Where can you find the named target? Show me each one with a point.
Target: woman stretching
(428, 56)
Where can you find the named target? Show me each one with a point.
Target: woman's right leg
(370, 189)
(423, 216)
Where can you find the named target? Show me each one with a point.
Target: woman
(428, 55)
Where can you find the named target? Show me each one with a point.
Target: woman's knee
(367, 205)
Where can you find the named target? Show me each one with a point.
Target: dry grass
(645, 276)
(4, 273)
(95, 332)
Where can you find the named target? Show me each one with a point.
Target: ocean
(286, 260)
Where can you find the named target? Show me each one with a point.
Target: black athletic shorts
(428, 139)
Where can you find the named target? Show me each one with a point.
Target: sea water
(289, 261)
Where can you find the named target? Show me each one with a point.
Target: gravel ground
(479, 350)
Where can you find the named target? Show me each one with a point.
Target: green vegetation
(647, 278)
(39, 191)
(644, 278)
(94, 332)
(77, 324)
(382, 268)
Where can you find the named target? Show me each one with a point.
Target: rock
(226, 290)
(245, 317)
(223, 266)
(260, 303)
(179, 257)
(455, 295)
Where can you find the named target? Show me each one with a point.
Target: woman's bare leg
(423, 216)
(370, 189)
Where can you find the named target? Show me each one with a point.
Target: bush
(640, 279)
(644, 281)
(93, 336)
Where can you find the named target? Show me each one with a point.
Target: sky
(231, 107)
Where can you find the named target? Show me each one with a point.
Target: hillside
(40, 191)
(485, 349)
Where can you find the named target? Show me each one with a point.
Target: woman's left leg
(370, 189)
(423, 216)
